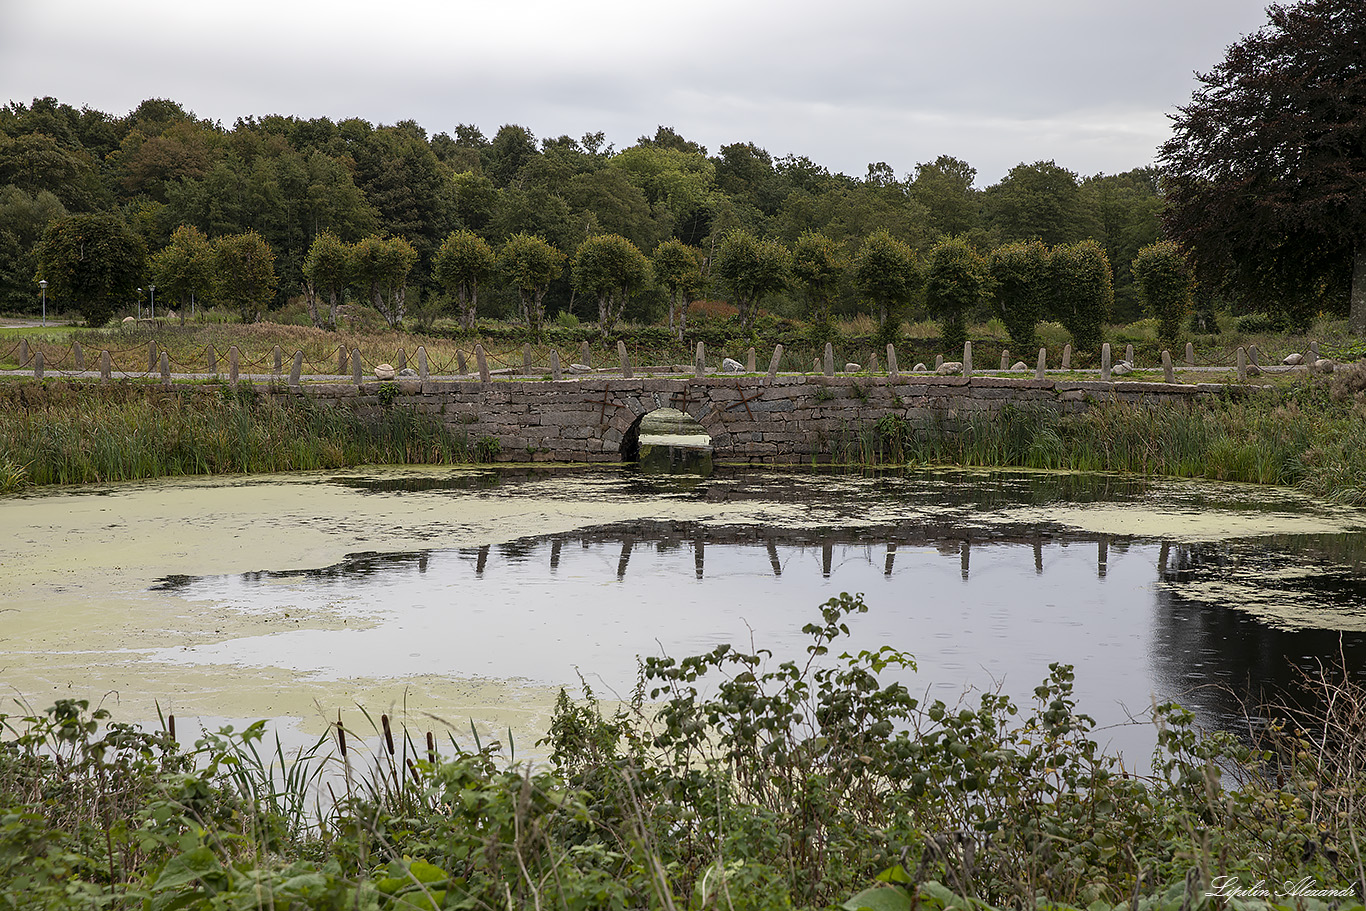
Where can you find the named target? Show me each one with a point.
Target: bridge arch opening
(667, 440)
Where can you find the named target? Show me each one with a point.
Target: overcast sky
(1087, 83)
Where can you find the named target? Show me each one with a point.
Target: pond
(470, 596)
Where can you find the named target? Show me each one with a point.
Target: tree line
(393, 195)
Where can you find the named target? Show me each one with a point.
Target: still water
(506, 584)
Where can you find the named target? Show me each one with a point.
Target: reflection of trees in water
(1218, 659)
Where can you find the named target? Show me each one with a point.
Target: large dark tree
(93, 263)
(1265, 170)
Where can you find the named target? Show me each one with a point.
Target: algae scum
(473, 595)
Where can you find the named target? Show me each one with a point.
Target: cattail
(412, 767)
(388, 735)
(170, 725)
(341, 736)
(431, 748)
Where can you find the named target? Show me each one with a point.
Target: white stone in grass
(1292, 360)
(730, 365)
(950, 368)
(1323, 365)
(851, 367)
(1018, 367)
(919, 368)
(580, 368)
(1123, 368)
(385, 371)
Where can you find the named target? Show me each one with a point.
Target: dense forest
(291, 181)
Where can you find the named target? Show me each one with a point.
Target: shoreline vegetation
(729, 781)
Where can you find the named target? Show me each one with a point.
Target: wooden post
(234, 357)
(1067, 356)
(1105, 363)
(891, 362)
(38, 365)
(750, 365)
(555, 365)
(1242, 363)
(967, 359)
(165, 369)
(829, 359)
(1042, 366)
(356, 376)
(1168, 375)
(624, 358)
(1190, 354)
(79, 353)
(700, 360)
(296, 371)
(278, 361)
(773, 361)
(106, 366)
(422, 371)
(151, 357)
(483, 363)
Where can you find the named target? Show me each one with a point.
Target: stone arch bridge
(761, 419)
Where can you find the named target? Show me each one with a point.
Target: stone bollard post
(357, 376)
(585, 355)
(1313, 352)
(773, 361)
(234, 359)
(891, 362)
(1067, 356)
(1129, 354)
(38, 360)
(1042, 366)
(872, 364)
(829, 359)
(422, 370)
(79, 354)
(750, 365)
(400, 360)
(23, 352)
(106, 366)
(526, 360)
(1005, 358)
(342, 360)
(165, 369)
(1242, 363)
(938, 361)
(483, 363)
(277, 359)
(297, 370)
(1254, 356)
(625, 359)
(213, 361)
(1190, 354)
(700, 360)
(967, 359)
(555, 365)
(460, 366)
(151, 357)
(1168, 375)
(1105, 363)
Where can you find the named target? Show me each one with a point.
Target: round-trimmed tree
(91, 262)
(464, 260)
(1164, 286)
(1082, 292)
(955, 283)
(610, 268)
(1020, 274)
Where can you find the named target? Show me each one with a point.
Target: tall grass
(92, 437)
(1303, 437)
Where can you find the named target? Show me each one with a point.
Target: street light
(42, 283)
(139, 303)
(153, 304)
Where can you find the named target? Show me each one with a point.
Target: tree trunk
(1356, 316)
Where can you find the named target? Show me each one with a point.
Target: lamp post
(42, 283)
(139, 303)
(153, 303)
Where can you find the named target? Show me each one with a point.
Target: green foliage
(244, 274)
(1164, 287)
(463, 261)
(1019, 272)
(818, 264)
(380, 267)
(326, 272)
(1082, 293)
(886, 272)
(529, 264)
(750, 268)
(610, 268)
(183, 269)
(91, 263)
(955, 283)
(678, 270)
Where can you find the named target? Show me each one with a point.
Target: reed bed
(92, 437)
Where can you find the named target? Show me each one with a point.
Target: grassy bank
(1311, 436)
(728, 783)
(82, 434)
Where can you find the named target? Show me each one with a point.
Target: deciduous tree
(678, 270)
(1265, 168)
(1164, 287)
(955, 283)
(244, 273)
(750, 269)
(463, 261)
(183, 269)
(380, 266)
(327, 272)
(91, 262)
(886, 272)
(818, 264)
(610, 268)
(1082, 295)
(1020, 274)
(529, 264)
